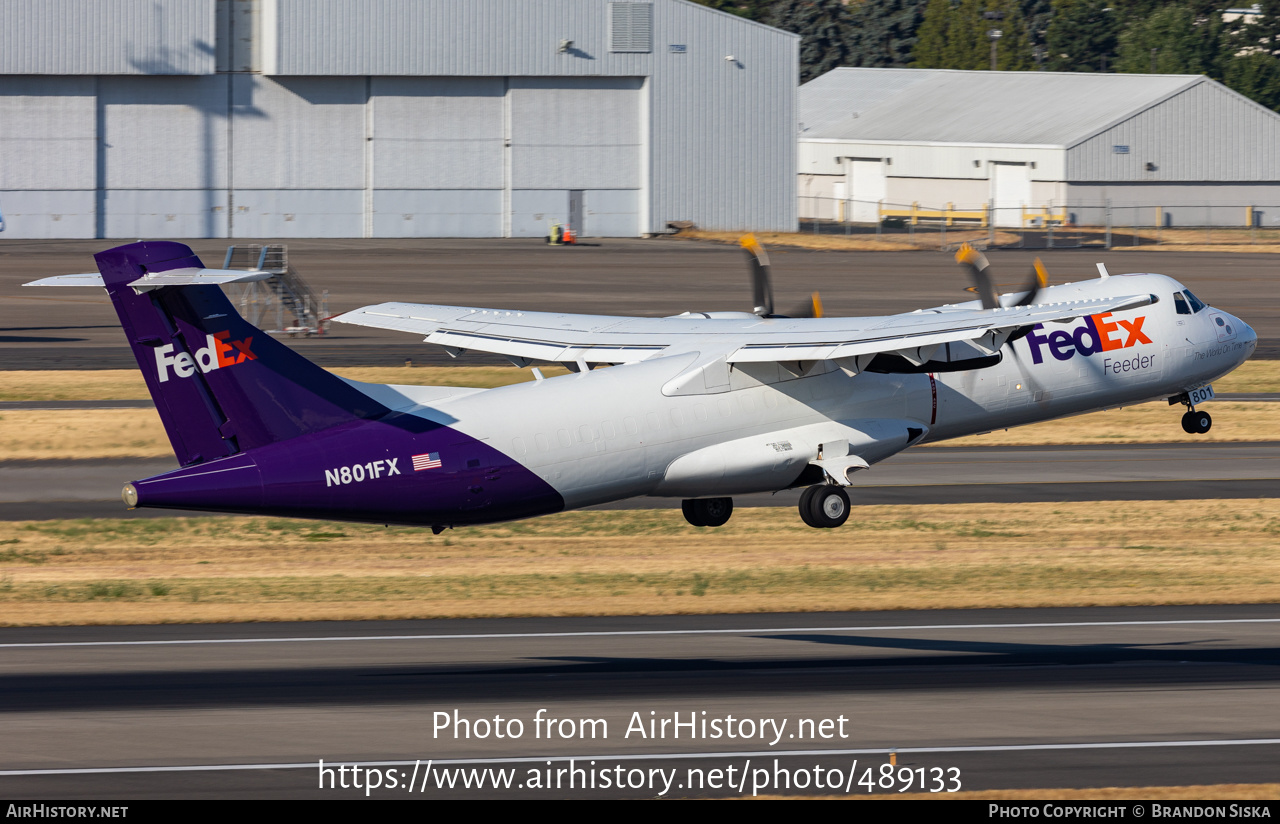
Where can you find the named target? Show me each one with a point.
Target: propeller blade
(811, 308)
(1039, 280)
(761, 289)
(978, 267)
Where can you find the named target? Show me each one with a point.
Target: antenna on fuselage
(1102, 271)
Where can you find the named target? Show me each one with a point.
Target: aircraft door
(576, 212)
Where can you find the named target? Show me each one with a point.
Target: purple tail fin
(221, 386)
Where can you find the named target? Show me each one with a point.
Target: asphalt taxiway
(1005, 698)
(932, 475)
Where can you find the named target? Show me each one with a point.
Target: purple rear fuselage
(363, 471)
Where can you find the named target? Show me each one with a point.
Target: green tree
(1251, 56)
(932, 36)
(823, 25)
(1257, 77)
(883, 32)
(1180, 38)
(1037, 14)
(956, 36)
(750, 9)
(1082, 36)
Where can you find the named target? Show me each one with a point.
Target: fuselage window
(1196, 304)
(1180, 303)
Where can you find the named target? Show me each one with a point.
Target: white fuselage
(639, 429)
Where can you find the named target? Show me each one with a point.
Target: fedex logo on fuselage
(220, 351)
(1098, 334)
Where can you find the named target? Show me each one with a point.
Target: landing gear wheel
(806, 500)
(707, 511)
(1196, 423)
(828, 507)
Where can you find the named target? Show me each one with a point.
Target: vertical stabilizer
(221, 386)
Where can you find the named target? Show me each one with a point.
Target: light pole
(993, 35)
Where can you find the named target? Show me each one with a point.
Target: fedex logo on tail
(1098, 334)
(218, 352)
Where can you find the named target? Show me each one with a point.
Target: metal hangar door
(574, 138)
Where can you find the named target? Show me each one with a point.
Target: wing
(524, 337)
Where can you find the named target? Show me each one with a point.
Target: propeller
(762, 288)
(979, 269)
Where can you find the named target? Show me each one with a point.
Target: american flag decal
(430, 460)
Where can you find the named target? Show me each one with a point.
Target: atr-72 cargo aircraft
(701, 406)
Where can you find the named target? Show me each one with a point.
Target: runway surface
(77, 329)
(993, 698)
(90, 488)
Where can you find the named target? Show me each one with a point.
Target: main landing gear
(707, 511)
(824, 507)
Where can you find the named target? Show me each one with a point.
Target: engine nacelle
(774, 460)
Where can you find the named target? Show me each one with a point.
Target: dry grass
(1149, 423)
(137, 433)
(127, 384)
(641, 562)
(929, 237)
(926, 239)
(36, 435)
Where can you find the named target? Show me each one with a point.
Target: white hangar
(1184, 145)
(391, 118)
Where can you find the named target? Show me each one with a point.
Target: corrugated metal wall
(1206, 133)
(438, 156)
(107, 36)
(398, 118)
(48, 156)
(720, 132)
(723, 131)
(445, 38)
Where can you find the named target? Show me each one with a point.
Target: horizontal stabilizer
(190, 276)
(87, 279)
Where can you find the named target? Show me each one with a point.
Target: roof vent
(630, 26)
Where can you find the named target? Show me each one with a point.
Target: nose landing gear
(1196, 423)
(1193, 421)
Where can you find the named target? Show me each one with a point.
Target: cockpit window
(1196, 305)
(1180, 303)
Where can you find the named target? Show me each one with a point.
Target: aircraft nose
(1245, 334)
